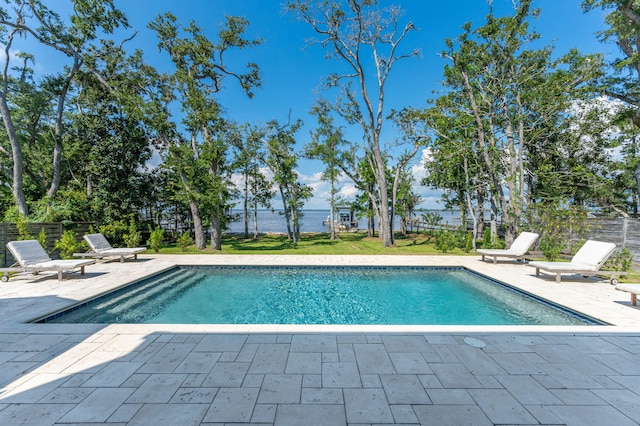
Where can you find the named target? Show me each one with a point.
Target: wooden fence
(54, 230)
(624, 232)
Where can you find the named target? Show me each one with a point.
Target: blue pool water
(313, 295)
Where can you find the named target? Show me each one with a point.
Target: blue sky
(292, 74)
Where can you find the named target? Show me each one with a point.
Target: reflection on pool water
(319, 295)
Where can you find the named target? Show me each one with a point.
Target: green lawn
(319, 243)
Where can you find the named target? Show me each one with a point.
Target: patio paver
(54, 374)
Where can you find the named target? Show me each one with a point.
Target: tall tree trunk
(16, 150)
(332, 209)
(216, 232)
(245, 203)
(198, 229)
(255, 219)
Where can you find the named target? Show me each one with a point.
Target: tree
(623, 19)
(257, 190)
(282, 160)
(33, 18)
(326, 141)
(355, 31)
(200, 159)
(518, 99)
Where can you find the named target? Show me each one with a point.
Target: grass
(319, 243)
(347, 243)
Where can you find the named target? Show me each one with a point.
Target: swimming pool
(319, 295)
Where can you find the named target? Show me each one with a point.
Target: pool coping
(586, 319)
(591, 297)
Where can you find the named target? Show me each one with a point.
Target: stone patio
(54, 374)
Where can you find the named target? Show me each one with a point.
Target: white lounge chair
(100, 248)
(31, 257)
(518, 249)
(586, 262)
(633, 289)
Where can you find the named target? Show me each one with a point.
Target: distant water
(311, 221)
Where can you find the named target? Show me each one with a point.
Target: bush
(133, 237)
(68, 244)
(551, 247)
(155, 240)
(42, 239)
(620, 261)
(184, 241)
(115, 232)
(22, 223)
(445, 240)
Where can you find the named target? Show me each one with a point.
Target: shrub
(22, 223)
(133, 237)
(68, 244)
(445, 240)
(115, 232)
(155, 239)
(551, 247)
(184, 241)
(620, 261)
(42, 239)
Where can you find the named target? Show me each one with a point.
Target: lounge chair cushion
(100, 247)
(32, 258)
(587, 261)
(519, 247)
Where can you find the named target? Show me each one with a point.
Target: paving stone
(346, 353)
(404, 414)
(577, 397)
(367, 406)
(409, 363)
(33, 414)
(312, 381)
(124, 413)
(314, 343)
(625, 401)
(194, 395)
(98, 406)
(455, 376)
(158, 388)
(370, 381)
(321, 396)
(373, 359)
(113, 374)
(280, 389)
(270, 358)
(264, 413)
(198, 362)
(169, 414)
(304, 363)
(501, 407)
(340, 375)
(227, 374)
(406, 344)
(544, 415)
(404, 389)
(66, 396)
(232, 405)
(451, 415)
(450, 397)
(167, 359)
(221, 343)
(584, 415)
(527, 390)
(310, 415)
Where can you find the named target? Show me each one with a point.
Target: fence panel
(53, 231)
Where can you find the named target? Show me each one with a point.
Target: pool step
(160, 292)
(164, 286)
